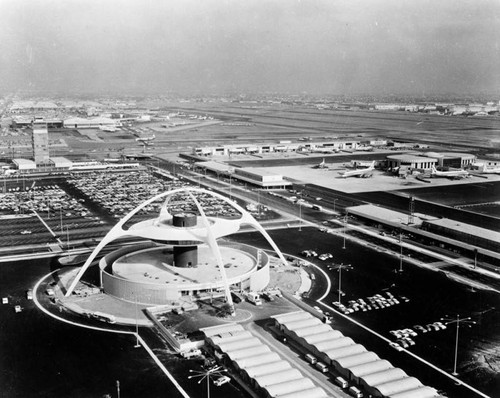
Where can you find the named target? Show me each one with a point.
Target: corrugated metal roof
(317, 329)
(248, 352)
(384, 376)
(221, 329)
(420, 392)
(370, 367)
(357, 359)
(334, 343)
(291, 316)
(303, 323)
(229, 337)
(268, 368)
(239, 344)
(397, 386)
(278, 377)
(262, 359)
(323, 336)
(289, 387)
(316, 392)
(345, 351)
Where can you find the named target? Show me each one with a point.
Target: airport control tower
(40, 142)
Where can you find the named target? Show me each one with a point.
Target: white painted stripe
(160, 365)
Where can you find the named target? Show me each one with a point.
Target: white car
(222, 380)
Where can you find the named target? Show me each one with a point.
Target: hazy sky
(216, 46)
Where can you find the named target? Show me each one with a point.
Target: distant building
(410, 161)
(40, 142)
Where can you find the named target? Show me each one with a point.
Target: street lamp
(339, 268)
(137, 345)
(205, 374)
(400, 251)
(467, 321)
(345, 228)
(334, 200)
(300, 216)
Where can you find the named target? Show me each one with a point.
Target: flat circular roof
(155, 266)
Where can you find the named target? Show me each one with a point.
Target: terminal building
(427, 160)
(288, 146)
(259, 177)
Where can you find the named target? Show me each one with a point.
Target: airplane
(363, 173)
(321, 165)
(145, 139)
(489, 170)
(455, 174)
(111, 129)
(364, 148)
(324, 150)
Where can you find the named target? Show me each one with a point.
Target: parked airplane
(455, 174)
(363, 173)
(324, 150)
(489, 170)
(111, 129)
(146, 139)
(321, 165)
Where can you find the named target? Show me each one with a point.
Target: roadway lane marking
(162, 367)
(320, 301)
(143, 343)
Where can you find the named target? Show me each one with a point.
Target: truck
(340, 381)
(254, 298)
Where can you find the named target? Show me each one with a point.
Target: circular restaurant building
(182, 254)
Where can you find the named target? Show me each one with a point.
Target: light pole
(67, 239)
(137, 345)
(339, 270)
(206, 374)
(300, 216)
(334, 200)
(466, 321)
(400, 251)
(345, 228)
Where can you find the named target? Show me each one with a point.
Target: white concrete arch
(117, 231)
